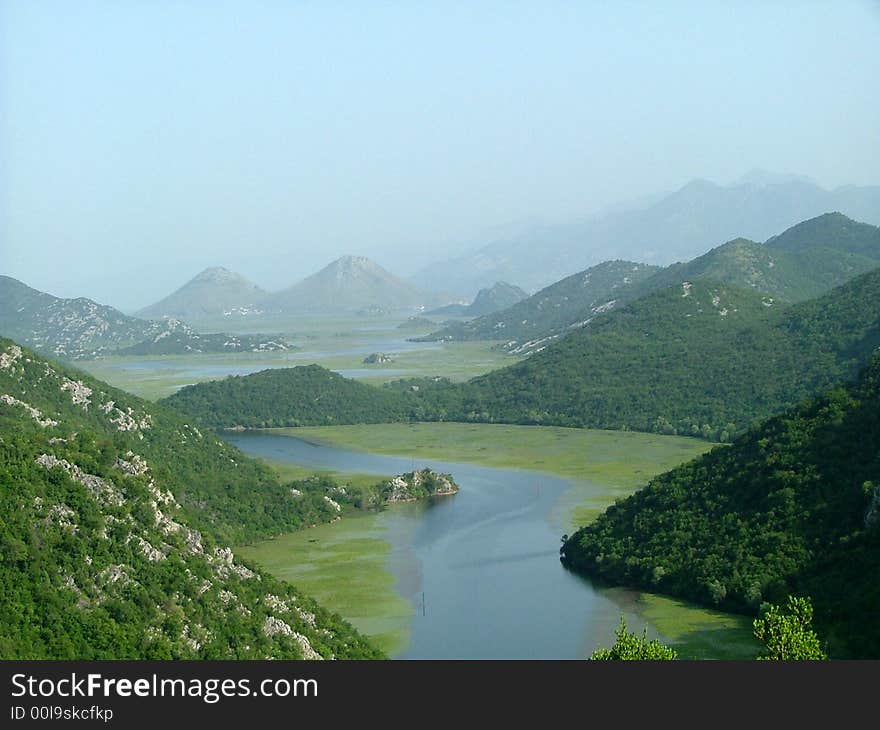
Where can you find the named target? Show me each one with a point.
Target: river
(481, 568)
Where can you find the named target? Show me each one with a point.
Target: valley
(485, 550)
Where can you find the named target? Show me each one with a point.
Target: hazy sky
(141, 141)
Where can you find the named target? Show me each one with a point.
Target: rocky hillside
(80, 329)
(804, 262)
(115, 521)
(349, 284)
(699, 358)
(550, 313)
(215, 292)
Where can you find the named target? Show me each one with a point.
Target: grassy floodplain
(619, 461)
(155, 377)
(345, 564)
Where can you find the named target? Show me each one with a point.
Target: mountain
(115, 521)
(534, 322)
(803, 262)
(699, 358)
(790, 508)
(308, 395)
(500, 295)
(678, 227)
(77, 329)
(215, 292)
(349, 284)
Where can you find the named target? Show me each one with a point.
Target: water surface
(480, 568)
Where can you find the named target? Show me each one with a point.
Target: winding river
(480, 568)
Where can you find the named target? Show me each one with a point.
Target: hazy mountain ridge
(113, 538)
(77, 329)
(702, 358)
(500, 295)
(801, 263)
(676, 228)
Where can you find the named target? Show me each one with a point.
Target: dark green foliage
(113, 518)
(632, 647)
(788, 635)
(707, 364)
(791, 508)
(301, 396)
(805, 261)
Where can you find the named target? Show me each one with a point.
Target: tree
(631, 646)
(788, 635)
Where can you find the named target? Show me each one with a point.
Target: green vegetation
(345, 567)
(785, 636)
(789, 509)
(631, 646)
(700, 359)
(78, 329)
(552, 309)
(803, 262)
(113, 519)
(301, 396)
(789, 635)
(603, 465)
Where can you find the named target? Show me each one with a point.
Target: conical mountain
(212, 293)
(350, 284)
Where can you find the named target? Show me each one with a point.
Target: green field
(344, 566)
(619, 461)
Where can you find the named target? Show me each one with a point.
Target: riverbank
(619, 461)
(347, 564)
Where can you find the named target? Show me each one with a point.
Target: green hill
(114, 520)
(804, 262)
(791, 507)
(700, 358)
(301, 396)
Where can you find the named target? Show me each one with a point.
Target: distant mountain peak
(350, 283)
(214, 291)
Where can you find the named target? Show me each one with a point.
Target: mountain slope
(792, 507)
(349, 284)
(213, 292)
(77, 329)
(701, 358)
(676, 228)
(113, 519)
(549, 312)
(500, 295)
(801, 263)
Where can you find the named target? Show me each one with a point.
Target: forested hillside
(801, 263)
(301, 396)
(791, 507)
(700, 358)
(115, 517)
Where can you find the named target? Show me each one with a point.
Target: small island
(418, 484)
(377, 358)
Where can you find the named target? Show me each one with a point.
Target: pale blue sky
(142, 141)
